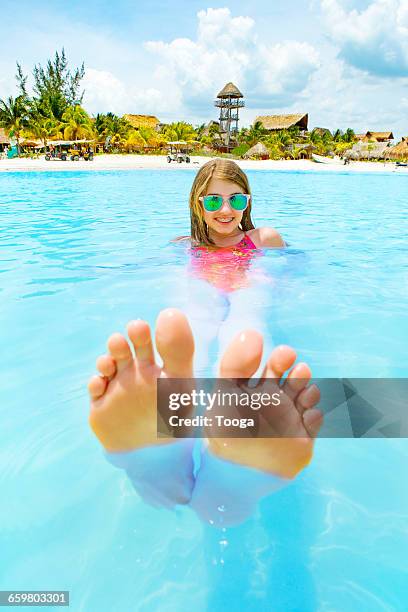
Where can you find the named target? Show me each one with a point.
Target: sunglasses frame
(227, 199)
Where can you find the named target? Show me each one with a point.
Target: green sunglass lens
(212, 203)
(238, 201)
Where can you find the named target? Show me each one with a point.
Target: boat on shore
(320, 159)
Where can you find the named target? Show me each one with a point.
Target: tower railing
(229, 103)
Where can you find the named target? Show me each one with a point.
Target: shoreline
(159, 162)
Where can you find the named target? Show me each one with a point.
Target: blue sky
(345, 62)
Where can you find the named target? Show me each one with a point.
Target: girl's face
(226, 220)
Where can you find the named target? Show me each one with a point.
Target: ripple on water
(85, 253)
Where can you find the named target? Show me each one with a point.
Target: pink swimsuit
(224, 267)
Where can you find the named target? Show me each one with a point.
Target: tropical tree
(199, 130)
(135, 140)
(255, 133)
(179, 131)
(113, 127)
(349, 135)
(55, 87)
(76, 123)
(44, 128)
(14, 113)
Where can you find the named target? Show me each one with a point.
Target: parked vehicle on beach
(69, 149)
(178, 152)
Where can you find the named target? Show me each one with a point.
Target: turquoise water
(84, 252)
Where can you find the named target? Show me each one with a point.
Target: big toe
(243, 356)
(175, 344)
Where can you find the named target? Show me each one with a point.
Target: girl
(224, 245)
(231, 475)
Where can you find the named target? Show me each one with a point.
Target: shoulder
(264, 237)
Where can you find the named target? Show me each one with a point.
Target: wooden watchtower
(229, 101)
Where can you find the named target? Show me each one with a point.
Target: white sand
(159, 162)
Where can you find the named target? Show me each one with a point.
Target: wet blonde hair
(223, 169)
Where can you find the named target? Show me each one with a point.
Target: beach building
(229, 101)
(375, 136)
(210, 125)
(143, 121)
(379, 136)
(283, 122)
(400, 151)
(258, 151)
(369, 150)
(319, 131)
(4, 139)
(301, 150)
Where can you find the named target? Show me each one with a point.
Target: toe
(312, 419)
(297, 379)
(140, 336)
(106, 366)
(175, 344)
(308, 398)
(281, 359)
(120, 350)
(97, 387)
(243, 356)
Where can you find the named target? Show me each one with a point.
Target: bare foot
(296, 417)
(123, 411)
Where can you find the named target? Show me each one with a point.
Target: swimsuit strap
(247, 241)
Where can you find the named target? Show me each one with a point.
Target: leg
(206, 309)
(236, 473)
(123, 411)
(247, 311)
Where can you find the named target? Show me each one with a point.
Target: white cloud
(228, 49)
(104, 92)
(374, 39)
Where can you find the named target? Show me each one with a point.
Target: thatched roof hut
(321, 131)
(400, 151)
(4, 138)
(30, 142)
(259, 151)
(368, 150)
(303, 150)
(283, 122)
(379, 136)
(230, 91)
(359, 136)
(138, 121)
(210, 124)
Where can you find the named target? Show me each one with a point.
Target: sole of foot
(296, 422)
(123, 410)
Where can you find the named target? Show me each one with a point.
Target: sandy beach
(159, 162)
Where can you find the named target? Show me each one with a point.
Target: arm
(181, 239)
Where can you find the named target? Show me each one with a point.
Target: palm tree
(135, 140)
(349, 135)
(255, 133)
(179, 131)
(199, 130)
(44, 128)
(76, 123)
(14, 116)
